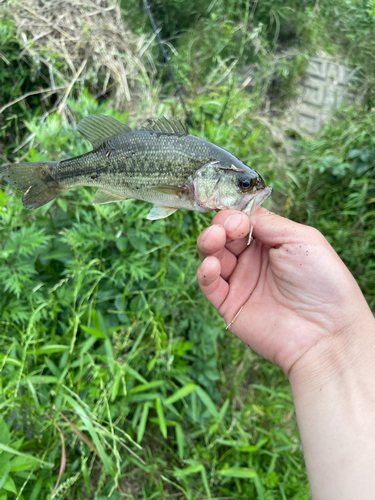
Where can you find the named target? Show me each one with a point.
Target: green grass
(118, 379)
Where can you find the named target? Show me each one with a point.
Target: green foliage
(351, 27)
(221, 48)
(232, 40)
(335, 190)
(109, 353)
(268, 42)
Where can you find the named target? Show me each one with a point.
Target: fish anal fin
(102, 196)
(157, 212)
(98, 128)
(171, 190)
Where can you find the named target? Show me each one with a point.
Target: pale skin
(303, 311)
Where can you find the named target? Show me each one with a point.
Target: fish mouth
(250, 203)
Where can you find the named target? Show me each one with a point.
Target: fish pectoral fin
(103, 196)
(171, 190)
(157, 212)
(98, 128)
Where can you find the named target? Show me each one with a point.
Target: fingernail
(232, 222)
(205, 233)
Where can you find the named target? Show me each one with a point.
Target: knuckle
(316, 234)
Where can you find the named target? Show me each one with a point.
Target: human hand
(293, 288)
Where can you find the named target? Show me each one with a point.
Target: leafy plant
(335, 190)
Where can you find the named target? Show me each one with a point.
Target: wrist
(334, 397)
(336, 357)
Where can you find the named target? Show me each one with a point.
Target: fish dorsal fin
(98, 128)
(173, 126)
(103, 196)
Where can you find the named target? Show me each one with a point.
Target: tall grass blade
(181, 393)
(108, 464)
(9, 449)
(161, 418)
(207, 401)
(180, 440)
(63, 461)
(142, 424)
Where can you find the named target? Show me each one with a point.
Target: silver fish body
(160, 163)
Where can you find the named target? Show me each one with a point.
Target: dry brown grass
(85, 42)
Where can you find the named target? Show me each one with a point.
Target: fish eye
(246, 183)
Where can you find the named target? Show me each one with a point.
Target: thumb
(274, 230)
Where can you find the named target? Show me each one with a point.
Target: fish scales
(139, 154)
(162, 164)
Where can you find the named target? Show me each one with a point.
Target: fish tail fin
(35, 180)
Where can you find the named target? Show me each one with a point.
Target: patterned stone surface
(325, 89)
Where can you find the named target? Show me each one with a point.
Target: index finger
(232, 228)
(237, 228)
(235, 223)
(227, 226)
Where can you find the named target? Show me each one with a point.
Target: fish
(160, 163)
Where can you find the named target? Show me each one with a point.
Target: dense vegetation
(117, 377)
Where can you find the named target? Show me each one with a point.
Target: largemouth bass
(160, 163)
